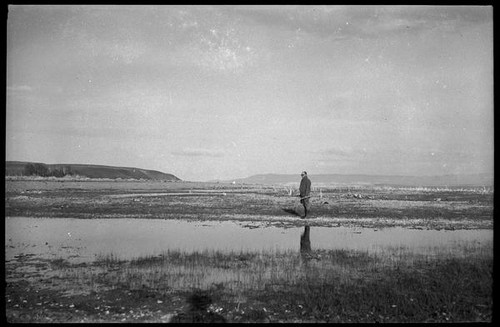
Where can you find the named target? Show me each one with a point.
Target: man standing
(305, 189)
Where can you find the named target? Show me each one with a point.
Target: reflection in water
(81, 240)
(306, 252)
(305, 244)
(305, 241)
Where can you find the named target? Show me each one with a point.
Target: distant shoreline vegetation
(20, 169)
(42, 170)
(32, 169)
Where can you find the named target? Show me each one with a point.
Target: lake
(86, 239)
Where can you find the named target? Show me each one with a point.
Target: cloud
(222, 50)
(103, 32)
(19, 88)
(337, 151)
(332, 21)
(220, 43)
(342, 153)
(199, 152)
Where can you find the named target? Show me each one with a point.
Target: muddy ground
(364, 207)
(35, 292)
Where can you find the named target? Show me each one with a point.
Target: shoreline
(320, 221)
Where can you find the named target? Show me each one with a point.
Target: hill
(389, 180)
(21, 168)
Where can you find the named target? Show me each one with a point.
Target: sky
(226, 92)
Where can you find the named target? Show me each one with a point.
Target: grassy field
(394, 285)
(323, 286)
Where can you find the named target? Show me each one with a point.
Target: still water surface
(84, 240)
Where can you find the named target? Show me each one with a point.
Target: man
(305, 189)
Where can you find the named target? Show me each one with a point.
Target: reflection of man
(305, 242)
(305, 190)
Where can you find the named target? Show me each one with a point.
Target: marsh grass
(393, 284)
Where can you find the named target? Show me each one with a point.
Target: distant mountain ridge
(395, 180)
(22, 168)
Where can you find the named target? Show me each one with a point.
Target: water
(86, 239)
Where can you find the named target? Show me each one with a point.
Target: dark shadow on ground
(198, 310)
(291, 211)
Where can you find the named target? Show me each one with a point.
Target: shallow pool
(86, 239)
